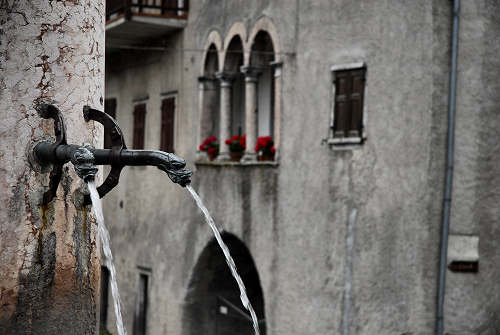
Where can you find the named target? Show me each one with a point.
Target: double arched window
(240, 87)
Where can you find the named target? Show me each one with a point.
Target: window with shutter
(103, 318)
(167, 124)
(110, 109)
(141, 305)
(139, 125)
(348, 104)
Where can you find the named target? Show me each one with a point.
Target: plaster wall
(49, 257)
(321, 272)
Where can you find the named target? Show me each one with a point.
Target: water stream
(104, 234)
(229, 260)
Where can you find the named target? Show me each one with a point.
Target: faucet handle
(117, 145)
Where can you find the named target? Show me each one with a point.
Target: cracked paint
(49, 51)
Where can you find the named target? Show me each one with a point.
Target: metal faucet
(85, 158)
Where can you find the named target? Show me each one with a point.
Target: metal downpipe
(449, 171)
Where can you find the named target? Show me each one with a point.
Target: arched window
(212, 304)
(209, 95)
(262, 57)
(232, 64)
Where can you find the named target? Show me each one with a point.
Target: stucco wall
(294, 217)
(49, 52)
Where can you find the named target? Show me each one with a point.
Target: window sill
(345, 143)
(204, 162)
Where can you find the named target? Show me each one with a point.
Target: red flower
(243, 141)
(211, 150)
(202, 147)
(235, 137)
(212, 138)
(273, 149)
(228, 141)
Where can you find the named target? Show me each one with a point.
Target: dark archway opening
(213, 305)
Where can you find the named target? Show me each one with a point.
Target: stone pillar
(277, 67)
(50, 51)
(225, 113)
(251, 79)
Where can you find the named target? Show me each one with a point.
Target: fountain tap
(85, 158)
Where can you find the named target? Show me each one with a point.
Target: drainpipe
(449, 171)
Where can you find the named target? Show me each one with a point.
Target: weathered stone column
(251, 79)
(277, 104)
(49, 255)
(225, 112)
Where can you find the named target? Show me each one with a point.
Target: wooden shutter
(356, 98)
(342, 103)
(139, 124)
(103, 318)
(141, 306)
(110, 109)
(349, 88)
(167, 124)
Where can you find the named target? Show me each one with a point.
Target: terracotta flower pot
(236, 155)
(211, 155)
(266, 157)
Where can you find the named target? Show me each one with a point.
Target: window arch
(232, 64)
(209, 94)
(262, 57)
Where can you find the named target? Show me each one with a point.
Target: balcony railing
(158, 8)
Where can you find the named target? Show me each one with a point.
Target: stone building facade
(340, 233)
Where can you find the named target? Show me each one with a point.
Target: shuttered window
(139, 125)
(141, 305)
(167, 124)
(348, 114)
(110, 109)
(103, 318)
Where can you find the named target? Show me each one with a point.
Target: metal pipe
(50, 153)
(449, 171)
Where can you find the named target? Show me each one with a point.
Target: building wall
(344, 240)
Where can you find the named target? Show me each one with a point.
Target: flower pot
(211, 155)
(235, 155)
(266, 157)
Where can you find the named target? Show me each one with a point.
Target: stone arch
(214, 39)
(266, 25)
(212, 305)
(237, 29)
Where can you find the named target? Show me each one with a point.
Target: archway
(232, 65)
(262, 56)
(212, 305)
(210, 94)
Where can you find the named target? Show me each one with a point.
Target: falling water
(229, 259)
(103, 232)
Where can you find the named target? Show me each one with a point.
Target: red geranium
(236, 143)
(264, 144)
(210, 145)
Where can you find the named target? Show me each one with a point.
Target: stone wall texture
(345, 241)
(50, 51)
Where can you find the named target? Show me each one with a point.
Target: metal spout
(86, 158)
